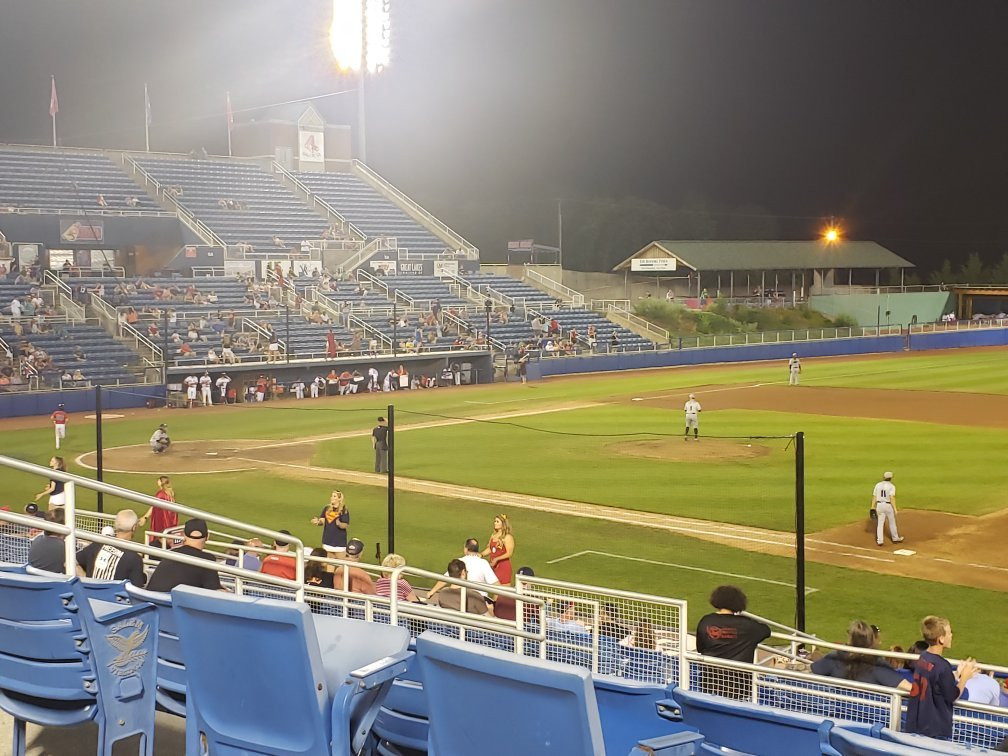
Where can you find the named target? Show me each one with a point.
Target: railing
(317, 201)
(64, 296)
(605, 304)
(374, 281)
(104, 211)
(856, 289)
(483, 292)
(958, 325)
(127, 331)
(418, 212)
(377, 244)
(103, 307)
(185, 215)
(260, 330)
(207, 271)
(369, 330)
(639, 322)
(576, 298)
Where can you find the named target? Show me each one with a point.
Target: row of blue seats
(512, 287)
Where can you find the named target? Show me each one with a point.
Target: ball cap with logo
(355, 547)
(196, 528)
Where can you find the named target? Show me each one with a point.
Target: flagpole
(146, 117)
(230, 121)
(53, 108)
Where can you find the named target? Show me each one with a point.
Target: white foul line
(679, 566)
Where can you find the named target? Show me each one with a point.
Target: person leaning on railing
(860, 667)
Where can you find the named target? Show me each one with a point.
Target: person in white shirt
(478, 569)
(692, 409)
(191, 382)
(794, 369)
(298, 387)
(373, 383)
(315, 385)
(884, 504)
(15, 308)
(984, 689)
(222, 385)
(206, 384)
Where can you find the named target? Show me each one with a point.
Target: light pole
(488, 306)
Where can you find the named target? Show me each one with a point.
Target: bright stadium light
(360, 37)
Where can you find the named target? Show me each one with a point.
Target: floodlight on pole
(832, 233)
(359, 37)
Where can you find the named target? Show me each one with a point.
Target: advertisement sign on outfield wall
(81, 230)
(443, 268)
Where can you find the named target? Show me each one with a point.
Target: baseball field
(600, 487)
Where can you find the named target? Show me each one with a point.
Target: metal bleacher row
(371, 212)
(436, 680)
(107, 361)
(66, 180)
(269, 208)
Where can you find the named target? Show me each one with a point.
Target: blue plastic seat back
(747, 727)
(255, 677)
(171, 672)
(845, 741)
(648, 666)
(471, 690)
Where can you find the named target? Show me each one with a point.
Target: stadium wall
(78, 400)
(753, 352)
(869, 309)
(117, 231)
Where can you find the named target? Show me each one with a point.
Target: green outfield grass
(576, 461)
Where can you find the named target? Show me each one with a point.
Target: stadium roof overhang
(703, 256)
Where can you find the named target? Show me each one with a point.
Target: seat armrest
(676, 744)
(669, 708)
(376, 677)
(378, 672)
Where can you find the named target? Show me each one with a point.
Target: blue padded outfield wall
(78, 400)
(755, 352)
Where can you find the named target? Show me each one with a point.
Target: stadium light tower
(360, 41)
(832, 233)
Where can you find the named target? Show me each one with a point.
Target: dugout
(765, 272)
(980, 301)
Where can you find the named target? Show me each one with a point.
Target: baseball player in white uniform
(794, 369)
(313, 389)
(206, 389)
(222, 384)
(884, 504)
(298, 387)
(692, 409)
(191, 382)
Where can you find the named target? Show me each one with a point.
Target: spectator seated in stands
(568, 621)
(48, 551)
(282, 564)
(101, 201)
(131, 201)
(860, 667)
(170, 573)
(78, 375)
(104, 562)
(383, 587)
(353, 579)
(277, 241)
(79, 354)
(451, 596)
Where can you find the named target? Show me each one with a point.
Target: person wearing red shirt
(59, 419)
(282, 564)
(161, 520)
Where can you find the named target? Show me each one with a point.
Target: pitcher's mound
(704, 450)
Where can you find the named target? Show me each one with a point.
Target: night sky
(891, 115)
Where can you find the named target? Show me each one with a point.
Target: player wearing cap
(794, 369)
(222, 385)
(884, 503)
(159, 441)
(692, 409)
(206, 384)
(191, 381)
(59, 419)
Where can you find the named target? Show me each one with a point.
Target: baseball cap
(281, 541)
(31, 508)
(355, 547)
(108, 531)
(196, 528)
(526, 571)
(887, 475)
(60, 406)
(692, 396)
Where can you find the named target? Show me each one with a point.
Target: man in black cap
(356, 580)
(379, 440)
(170, 573)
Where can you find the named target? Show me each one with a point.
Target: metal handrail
(637, 321)
(368, 329)
(320, 201)
(127, 330)
(184, 214)
(418, 212)
(363, 275)
(72, 481)
(577, 298)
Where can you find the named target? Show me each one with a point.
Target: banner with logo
(311, 146)
(81, 230)
(443, 268)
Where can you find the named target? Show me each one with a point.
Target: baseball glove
(872, 514)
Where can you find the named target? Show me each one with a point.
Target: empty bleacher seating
(371, 212)
(268, 208)
(60, 180)
(522, 294)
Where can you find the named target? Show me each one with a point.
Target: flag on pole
(147, 118)
(53, 100)
(230, 120)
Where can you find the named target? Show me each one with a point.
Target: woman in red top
(161, 520)
(500, 548)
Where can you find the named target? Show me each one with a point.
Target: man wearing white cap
(692, 409)
(884, 505)
(794, 369)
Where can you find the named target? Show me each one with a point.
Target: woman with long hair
(851, 665)
(160, 519)
(55, 488)
(500, 549)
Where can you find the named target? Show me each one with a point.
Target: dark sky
(891, 114)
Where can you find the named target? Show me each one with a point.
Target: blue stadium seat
(746, 727)
(68, 657)
(326, 676)
(171, 672)
(843, 741)
(553, 707)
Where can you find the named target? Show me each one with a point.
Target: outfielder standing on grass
(59, 419)
(692, 409)
(884, 506)
(794, 369)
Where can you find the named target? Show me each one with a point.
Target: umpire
(379, 440)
